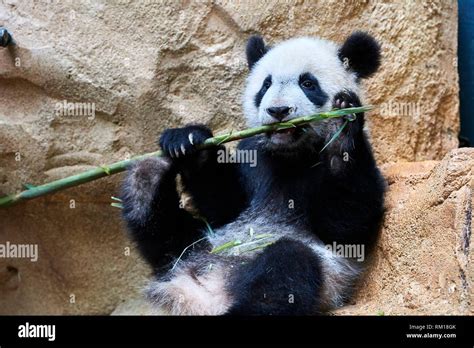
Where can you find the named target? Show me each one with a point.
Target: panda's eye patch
(267, 83)
(307, 84)
(308, 81)
(265, 86)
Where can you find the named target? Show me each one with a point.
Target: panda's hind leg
(285, 279)
(151, 210)
(195, 286)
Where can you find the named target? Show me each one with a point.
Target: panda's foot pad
(344, 100)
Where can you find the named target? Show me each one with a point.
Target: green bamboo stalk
(117, 167)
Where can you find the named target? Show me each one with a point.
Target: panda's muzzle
(280, 112)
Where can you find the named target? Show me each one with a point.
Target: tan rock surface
(423, 262)
(149, 65)
(85, 264)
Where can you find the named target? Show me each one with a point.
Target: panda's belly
(255, 229)
(197, 285)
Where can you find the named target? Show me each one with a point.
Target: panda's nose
(279, 112)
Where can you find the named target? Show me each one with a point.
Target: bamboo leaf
(184, 250)
(209, 228)
(259, 247)
(339, 131)
(226, 246)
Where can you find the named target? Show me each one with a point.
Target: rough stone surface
(150, 65)
(423, 263)
(85, 264)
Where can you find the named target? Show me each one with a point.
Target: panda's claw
(178, 143)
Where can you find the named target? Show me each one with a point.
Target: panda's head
(300, 77)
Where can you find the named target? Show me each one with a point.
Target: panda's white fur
(186, 293)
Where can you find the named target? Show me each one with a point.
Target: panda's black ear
(361, 53)
(255, 50)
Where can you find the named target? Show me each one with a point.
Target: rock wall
(423, 262)
(147, 65)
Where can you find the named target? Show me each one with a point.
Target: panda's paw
(141, 186)
(180, 142)
(338, 149)
(347, 99)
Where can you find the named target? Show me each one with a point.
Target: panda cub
(259, 245)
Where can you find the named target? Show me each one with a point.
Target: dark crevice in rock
(466, 232)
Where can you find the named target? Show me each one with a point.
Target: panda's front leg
(151, 210)
(341, 151)
(216, 188)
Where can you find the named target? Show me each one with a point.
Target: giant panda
(258, 245)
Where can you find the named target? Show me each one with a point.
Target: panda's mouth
(286, 136)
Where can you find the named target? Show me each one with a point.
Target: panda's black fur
(334, 200)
